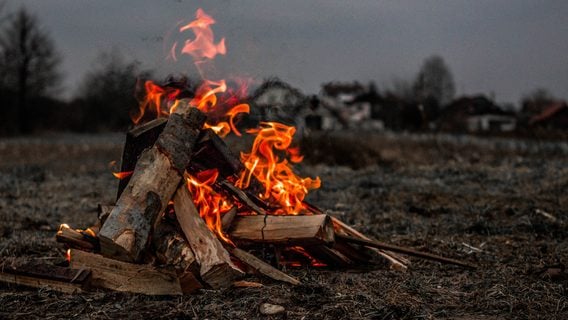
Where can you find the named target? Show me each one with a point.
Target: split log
(216, 267)
(155, 179)
(41, 275)
(284, 230)
(172, 249)
(137, 140)
(126, 277)
(262, 267)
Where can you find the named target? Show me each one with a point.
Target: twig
(408, 251)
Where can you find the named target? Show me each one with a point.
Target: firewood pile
(190, 214)
(155, 231)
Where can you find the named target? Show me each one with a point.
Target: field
(497, 203)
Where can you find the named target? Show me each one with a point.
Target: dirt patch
(471, 202)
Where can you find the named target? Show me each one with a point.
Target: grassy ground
(479, 202)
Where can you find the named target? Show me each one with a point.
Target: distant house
(553, 116)
(475, 114)
(276, 100)
(352, 104)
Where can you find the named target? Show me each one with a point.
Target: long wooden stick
(408, 251)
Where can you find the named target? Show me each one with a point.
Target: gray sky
(503, 47)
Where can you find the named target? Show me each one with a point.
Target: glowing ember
(122, 175)
(280, 182)
(68, 255)
(211, 205)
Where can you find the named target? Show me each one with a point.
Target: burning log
(75, 239)
(156, 177)
(216, 268)
(285, 230)
(127, 277)
(213, 153)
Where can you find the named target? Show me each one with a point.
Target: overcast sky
(505, 48)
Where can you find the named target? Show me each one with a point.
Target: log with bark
(158, 173)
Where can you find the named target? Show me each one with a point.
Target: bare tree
(28, 64)
(535, 101)
(434, 80)
(107, 93)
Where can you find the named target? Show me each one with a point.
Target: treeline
(31, 77)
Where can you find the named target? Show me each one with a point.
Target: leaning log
(216, 267)
(283, 230)
(138, 139)
(262, 267)
(155, 179)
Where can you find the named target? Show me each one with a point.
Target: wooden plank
(41, 275)
(216, 267)
(156, 177)
(126, 277)
(285, 230)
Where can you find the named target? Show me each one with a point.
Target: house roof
(548, 112)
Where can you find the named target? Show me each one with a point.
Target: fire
(272, 152)
(280, 182)
(211, 205)
(203, 46)
(122, 175)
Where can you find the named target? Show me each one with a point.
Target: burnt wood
(212, 152)
(137, 140)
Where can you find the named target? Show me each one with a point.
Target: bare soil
(502, 207)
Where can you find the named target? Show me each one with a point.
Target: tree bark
(156, 177)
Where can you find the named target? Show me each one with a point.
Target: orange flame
(279, 181)
(159, 102)
(122, 175)
(203, 46)
(211, 205)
